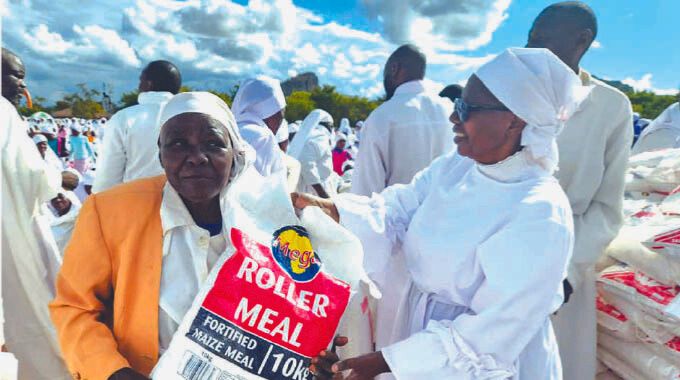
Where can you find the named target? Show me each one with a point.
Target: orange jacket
(106, 308)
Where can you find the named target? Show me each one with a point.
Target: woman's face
(196, 154)
(490, 133)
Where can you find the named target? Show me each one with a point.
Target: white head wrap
(258, 99)
(282, 132)
(77, 127)
(340, 137)
(540, 89)
(359, 124)
(209, 104)
(37, 139)
(669, 119)
(308, 125)
(344, 126)
(294, 127)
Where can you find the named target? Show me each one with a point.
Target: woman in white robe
(259, 107)
(662, 133)
(312, 148)
(486, 231)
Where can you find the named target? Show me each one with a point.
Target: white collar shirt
(189, 253)
(130, 150)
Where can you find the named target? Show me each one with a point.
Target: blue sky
(217, 43)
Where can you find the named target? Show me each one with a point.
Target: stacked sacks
(639, 287)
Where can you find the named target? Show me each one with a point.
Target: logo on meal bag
(293, 251)
(270, 309)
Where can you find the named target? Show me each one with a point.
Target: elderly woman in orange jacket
(141, 251)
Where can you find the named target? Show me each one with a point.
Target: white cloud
(101, 43)
(596, 45)
(217, 43)
(47, 42)
(645, 84)
(342, 67)
(439, 24)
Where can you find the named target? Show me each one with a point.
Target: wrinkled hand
(321, 365)
(127, 374)
(302, 200)
(364, 367)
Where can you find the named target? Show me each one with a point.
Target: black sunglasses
(464, 109)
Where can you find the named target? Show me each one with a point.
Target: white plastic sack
(9, 366)
(653, 307)
(661, 267)
(638, 356)
(274, 299)
(618, 366)
(657, 171)
(615, 321)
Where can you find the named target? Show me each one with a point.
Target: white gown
(487, 249)
(316, 163)
(27, 181)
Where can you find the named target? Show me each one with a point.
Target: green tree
(648, 104)
(82, 103)
(225, 97)
(128, 99)
(298, 105)
(38, 105)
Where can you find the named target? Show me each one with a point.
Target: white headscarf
(344, 127)
(540, 89)
(209, 104)
(669, 119)
(258, 99)
(282, 133)
(37, 139)
(308, 125)
(294, 127)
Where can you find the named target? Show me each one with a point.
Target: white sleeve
(111, 165)
(523, 265)
(601, 221)
(381, 221)
(369, 167)
(309, 171)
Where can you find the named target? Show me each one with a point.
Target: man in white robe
(594, 149)
(259, 107)
(26, 182)
(662, 133)
(399, 139)
(130, 150)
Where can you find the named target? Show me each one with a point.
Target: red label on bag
(609, 309)
(271, 308)
(674, 344)
(644, 285)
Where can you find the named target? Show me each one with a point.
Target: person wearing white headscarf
(662, 133)
(141, 251)
(312, 147)
(63, 211)
(27, 182)
(258, 107)
(486, 232)
(293, 129)
(344, 127)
